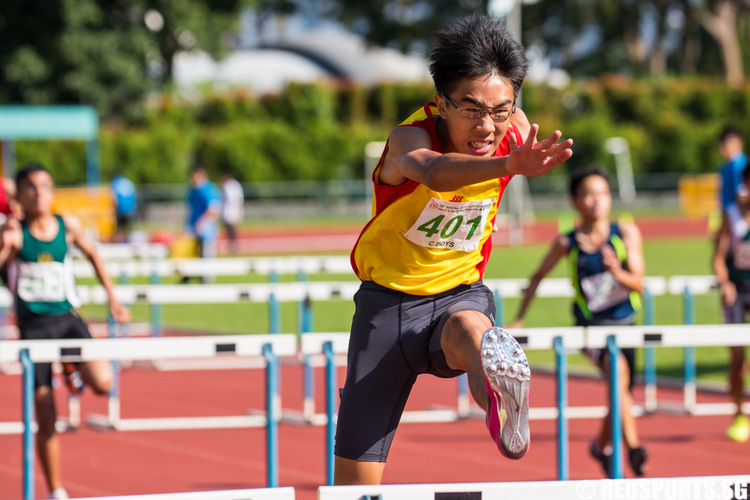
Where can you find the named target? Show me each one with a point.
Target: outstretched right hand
(537, 158)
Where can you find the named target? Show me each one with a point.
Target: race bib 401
(451, 225)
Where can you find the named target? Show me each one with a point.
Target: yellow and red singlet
(422, 241)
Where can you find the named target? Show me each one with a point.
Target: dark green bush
(318, 132)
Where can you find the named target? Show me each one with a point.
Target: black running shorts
(395, 337)
(735, 313)
(598, 356)
(55, 326)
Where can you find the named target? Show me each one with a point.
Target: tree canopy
(106, 53)
(584, 37)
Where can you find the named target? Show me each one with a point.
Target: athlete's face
(593, 199)
(476, 136)
(36, 193)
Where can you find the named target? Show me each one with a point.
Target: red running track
(342, 239)
(122, 463)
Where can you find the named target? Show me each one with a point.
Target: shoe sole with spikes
(508, 380)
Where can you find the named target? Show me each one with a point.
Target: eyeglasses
(498, 116)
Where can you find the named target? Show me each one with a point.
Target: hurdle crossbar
(671, 487)
(285, 493)
(224, 266)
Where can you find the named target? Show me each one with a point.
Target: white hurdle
(686, 488)
(270, 347)
(562, 340)
(286, 493)
(224, 266)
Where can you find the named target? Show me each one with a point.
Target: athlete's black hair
(29, 168)
(729, 131)
(579, 175)
(476, 46)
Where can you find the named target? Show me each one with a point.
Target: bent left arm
(76, 235)
(632, 277)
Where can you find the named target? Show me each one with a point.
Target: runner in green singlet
(41, 277)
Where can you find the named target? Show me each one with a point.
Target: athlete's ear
(440, 102)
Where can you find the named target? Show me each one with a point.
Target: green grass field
(689, 256)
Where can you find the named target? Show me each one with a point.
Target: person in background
(37, 249)
(232, 207)
(731, 170)
(607, 271)
(8, 209)
(126, 205)
(204, 208)
(731, 264)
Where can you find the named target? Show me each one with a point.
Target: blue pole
(274, 314)
(649, 353)
(4, 322)
(93, 168)
(689, 319)
(561, 365)
(301, 277)
(124, 328)
(272, 419)
(330, 409)
(614, 389)
(499, 309)
(463, 386)
(156, 316)
(28, 418)
(273, 305)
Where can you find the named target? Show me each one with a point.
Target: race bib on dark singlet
(603, 291)
(41, 281)
(742, 255)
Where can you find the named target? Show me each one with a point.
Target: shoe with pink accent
(508, 379)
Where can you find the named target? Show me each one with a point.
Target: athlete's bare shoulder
(399, 156)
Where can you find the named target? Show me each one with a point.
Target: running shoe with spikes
(740, 429)
(638, 458)
(73, 378)
(604, 457)
(508, 380)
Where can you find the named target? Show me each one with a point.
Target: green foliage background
(318, 132)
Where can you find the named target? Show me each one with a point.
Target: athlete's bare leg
(461, 340)
(347, 471)
(629, 425)
(97, 375)
(737, 371)
(47, 442)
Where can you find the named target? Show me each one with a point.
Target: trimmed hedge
(318, 132)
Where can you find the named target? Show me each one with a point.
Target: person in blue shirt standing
(126, 203)
(731, 150)
(731, 263)
(204, 208)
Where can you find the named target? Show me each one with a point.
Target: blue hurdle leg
(330, 409)
(274, 314)
(499, 309)
(561, 367)
(272, 415)
(614, 354)
(28, 419)
(155, 309)
(689, 388)
(651, 402)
